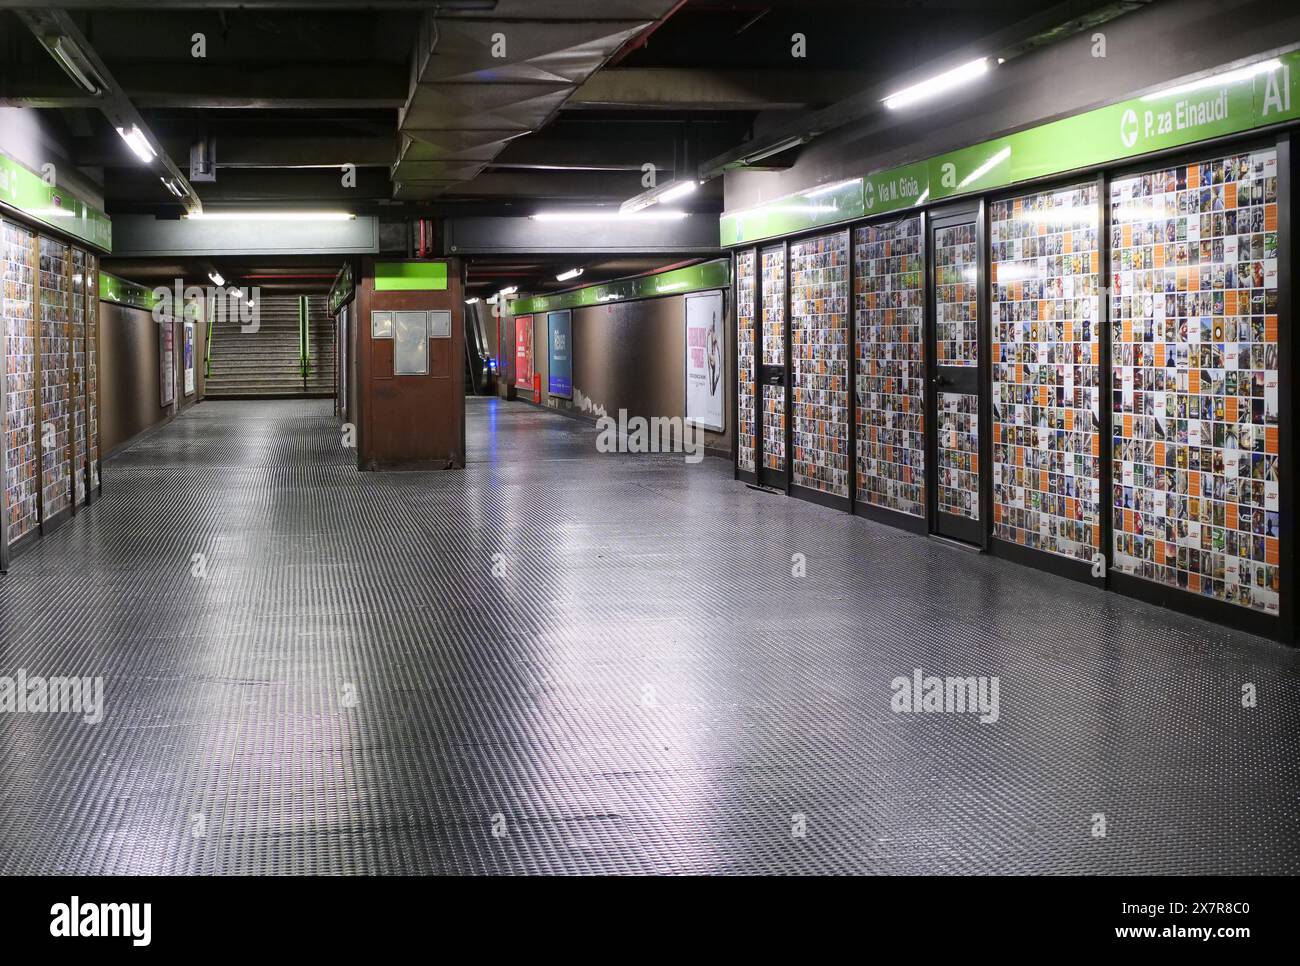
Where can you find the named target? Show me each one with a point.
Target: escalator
(480, 364)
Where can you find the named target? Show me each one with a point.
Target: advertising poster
(524, 352)
(188, 356)
(705, 361)
(166, 362)
(559, 326)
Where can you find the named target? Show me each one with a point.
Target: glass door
(773, 370)
(957, 382)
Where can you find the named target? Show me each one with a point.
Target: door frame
(974, 533)
(781, 479)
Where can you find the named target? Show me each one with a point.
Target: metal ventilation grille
(478, 83)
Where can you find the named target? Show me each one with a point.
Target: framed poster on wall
(524, 352)
(166, 362)
(706, 377)
(187, 353)
(560, 342)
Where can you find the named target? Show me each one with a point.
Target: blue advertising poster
(561, 354)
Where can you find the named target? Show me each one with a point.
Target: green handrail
(304, 335)
(207, 343)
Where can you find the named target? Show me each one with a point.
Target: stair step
(266, 362)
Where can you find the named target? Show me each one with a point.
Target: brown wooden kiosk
(410, 365)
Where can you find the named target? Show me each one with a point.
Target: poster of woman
(705, 361)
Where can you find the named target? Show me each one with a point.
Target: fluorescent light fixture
(660, 193)
(509, 290)
(1217, 80)
(170, 185)
(138, 143)
(269, 215)
(75, 65)
(216, 278)
(785, 144)
(986, 167)
(54, 213)
(608, 216)
(471, 301)
(678, 190)
(571, 273)
(936, 85)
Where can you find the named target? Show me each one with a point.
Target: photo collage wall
(956, 303)
(1189, 291)
(54, 307)
(92, 369)
(1194, 324)
(819, 361)
(745, 359)
(889, 312)
(79, 370)
(1046, 376)
(773, 308)
(18, 308)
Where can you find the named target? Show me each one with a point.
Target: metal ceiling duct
(479, 81)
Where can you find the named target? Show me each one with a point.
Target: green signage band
(1234, 102)
(27, 193)
(825, 205)
(678, 281)
(114, 289)
(410, 276)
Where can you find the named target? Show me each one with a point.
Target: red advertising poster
(524, 352)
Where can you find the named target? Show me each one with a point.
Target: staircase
(265, 363)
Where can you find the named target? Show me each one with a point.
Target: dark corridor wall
(129, 391)
(631, 355)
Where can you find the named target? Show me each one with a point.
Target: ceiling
(464, 107)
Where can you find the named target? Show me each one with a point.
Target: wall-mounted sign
(410, 276)
(342, 290)
(560, 354)
(187, 354)
(706, 376)
(439, 324)
(59, 208)
(524, 352)
(166, 362)
(677, 281)
(410, 344)
(114, 289)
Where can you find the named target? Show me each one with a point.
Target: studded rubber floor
(558, 661)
